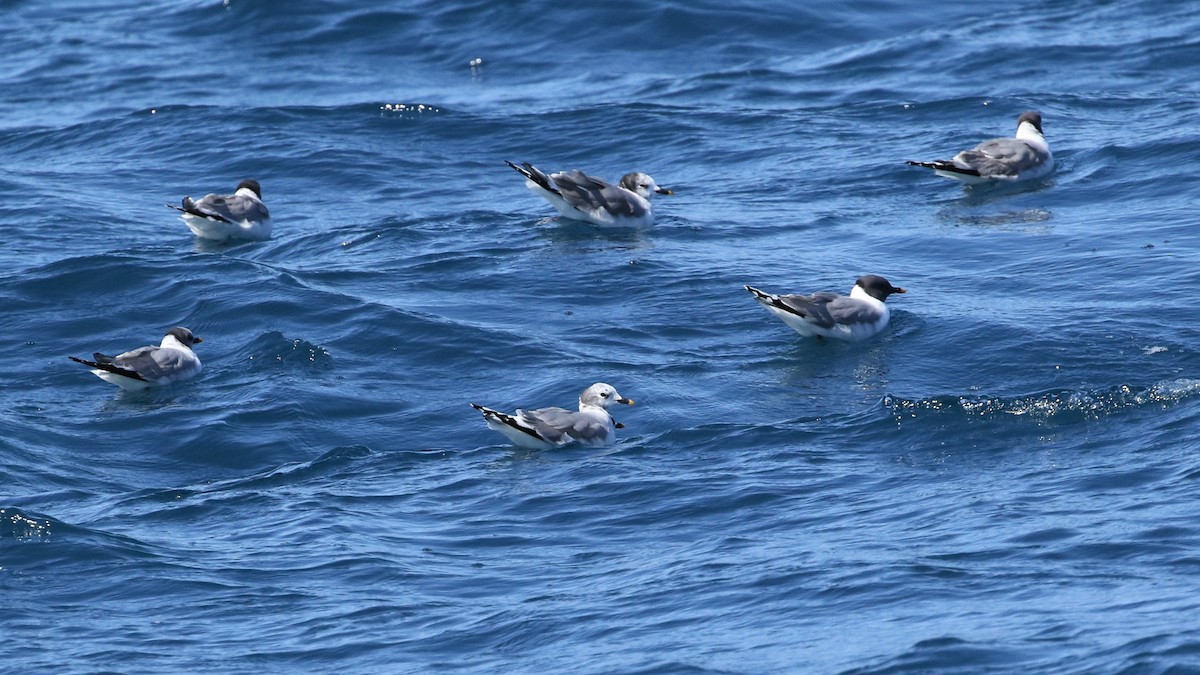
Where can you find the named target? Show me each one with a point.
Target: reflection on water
(1032, 220)
(584, 236)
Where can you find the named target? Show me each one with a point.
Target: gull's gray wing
(234, 208)
(588, 193)
(849, 311)
(558, 425)
(152, 363)
(1001, 157)
(826, 309)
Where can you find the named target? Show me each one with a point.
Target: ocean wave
(55, 542)
(273, 350)
(19, 525)
(149, 502)
(1062, 405)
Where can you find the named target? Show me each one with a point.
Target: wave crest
(16, 524)
(1049, 405)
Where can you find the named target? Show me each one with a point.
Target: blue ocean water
(1005, 481)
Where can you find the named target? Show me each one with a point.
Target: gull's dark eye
(604, 394)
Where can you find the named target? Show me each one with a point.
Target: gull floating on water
(241, 215)
(579, 196)
(551, 427)
(171, 361)
(1023, 157)
(856, 317)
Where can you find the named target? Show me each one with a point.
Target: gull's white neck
(247, 192)
(1029, 133)
(859, 294)
(172, 342)
(599, 413)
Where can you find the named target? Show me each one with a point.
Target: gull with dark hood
(152, 366)
(1026, 156)
(241, 215)
(854, 317)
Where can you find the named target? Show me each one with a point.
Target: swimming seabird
(855, 317)
(241, 215)
(1023, 157)
(171, 361)
(551, 427)
(579, 196)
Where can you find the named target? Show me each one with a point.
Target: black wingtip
(115, 370)
(943, 165)
(190, 209)
(530, 172)
(521, 170)
(947, 166)
(773, 301)
(507, 419)
(761, 296)
(512, 422)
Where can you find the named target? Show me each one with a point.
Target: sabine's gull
(171, 361)
(855, 317)
(551, 427)
(579, 196)
(241, 215)
(1026, 156)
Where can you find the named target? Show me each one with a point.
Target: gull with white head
(579, 196)
(553, 427)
